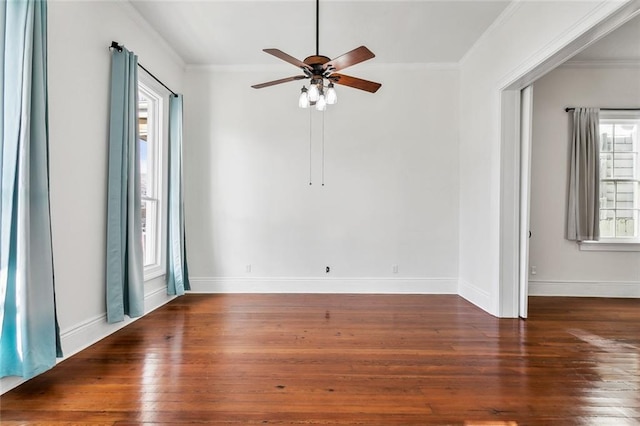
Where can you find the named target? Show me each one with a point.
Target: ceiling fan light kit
(322, 72)
(317, 95)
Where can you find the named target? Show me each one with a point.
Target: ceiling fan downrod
(317, 27)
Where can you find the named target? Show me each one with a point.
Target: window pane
(623, 143)
(624, 195)
(607, 218)
(606, 166)
(607, 195)
(626, 136)
(606, 137)
(144, 176)
(143, 128)
(624, 165)
(147, 112)
(626, 223)
(149, 215)
(144, 229)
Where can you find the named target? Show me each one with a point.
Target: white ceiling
(234, 32)
(623, 44)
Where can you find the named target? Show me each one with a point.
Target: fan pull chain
(310, 150)
(322, 148)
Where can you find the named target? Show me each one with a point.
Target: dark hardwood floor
(349, 359)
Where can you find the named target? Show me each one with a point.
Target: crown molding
(142, 21)
(504, 16)
(630, 63)
(437, 66)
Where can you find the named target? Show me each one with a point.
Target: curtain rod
(606, 109)
(116, 45)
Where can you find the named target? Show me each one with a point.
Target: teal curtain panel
(30, 338)
(124, 274)
(177, 279)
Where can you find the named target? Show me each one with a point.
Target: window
(151, 123)
(619, 177)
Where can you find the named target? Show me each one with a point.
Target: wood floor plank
(349, 359)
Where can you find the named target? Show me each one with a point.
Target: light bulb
(332, 96)
(303, 101)
(314, 93)
(321, 105)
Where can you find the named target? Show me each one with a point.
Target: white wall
(391, 194)
(561, 266)
(525, 35)
(79, 34)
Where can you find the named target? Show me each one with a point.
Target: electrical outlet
(248, 268)
(534, 270)
(395, 269)
(328, 270)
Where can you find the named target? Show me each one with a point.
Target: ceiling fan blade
(356, 56)
(356, 83)
(282, 80)
(287, 58)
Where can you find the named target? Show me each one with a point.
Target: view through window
(619, 178)
(149, 121)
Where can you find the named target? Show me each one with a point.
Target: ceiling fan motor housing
(318, 70)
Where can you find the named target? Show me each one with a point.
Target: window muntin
(619, 178)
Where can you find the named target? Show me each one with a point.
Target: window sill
(608, 246)
(152, 272)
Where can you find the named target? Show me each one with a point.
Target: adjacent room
(320, 212)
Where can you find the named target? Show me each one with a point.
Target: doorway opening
(514, 189)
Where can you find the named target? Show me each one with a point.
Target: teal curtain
(30, 337)
(124, 275)
(178, 277)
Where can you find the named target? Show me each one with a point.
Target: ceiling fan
(319, 68)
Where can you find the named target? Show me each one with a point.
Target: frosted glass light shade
(303, 101)
(314, 93)
(332, 96)
(321, 105)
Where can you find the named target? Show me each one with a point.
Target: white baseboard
(324, 285)
(585, 288)
(86, 333)
(475, 295)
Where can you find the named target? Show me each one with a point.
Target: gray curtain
(124, 275)
(29, 334)
(583, 210)
(178, 277)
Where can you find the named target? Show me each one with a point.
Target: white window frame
(621, 243)
(156, 164)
